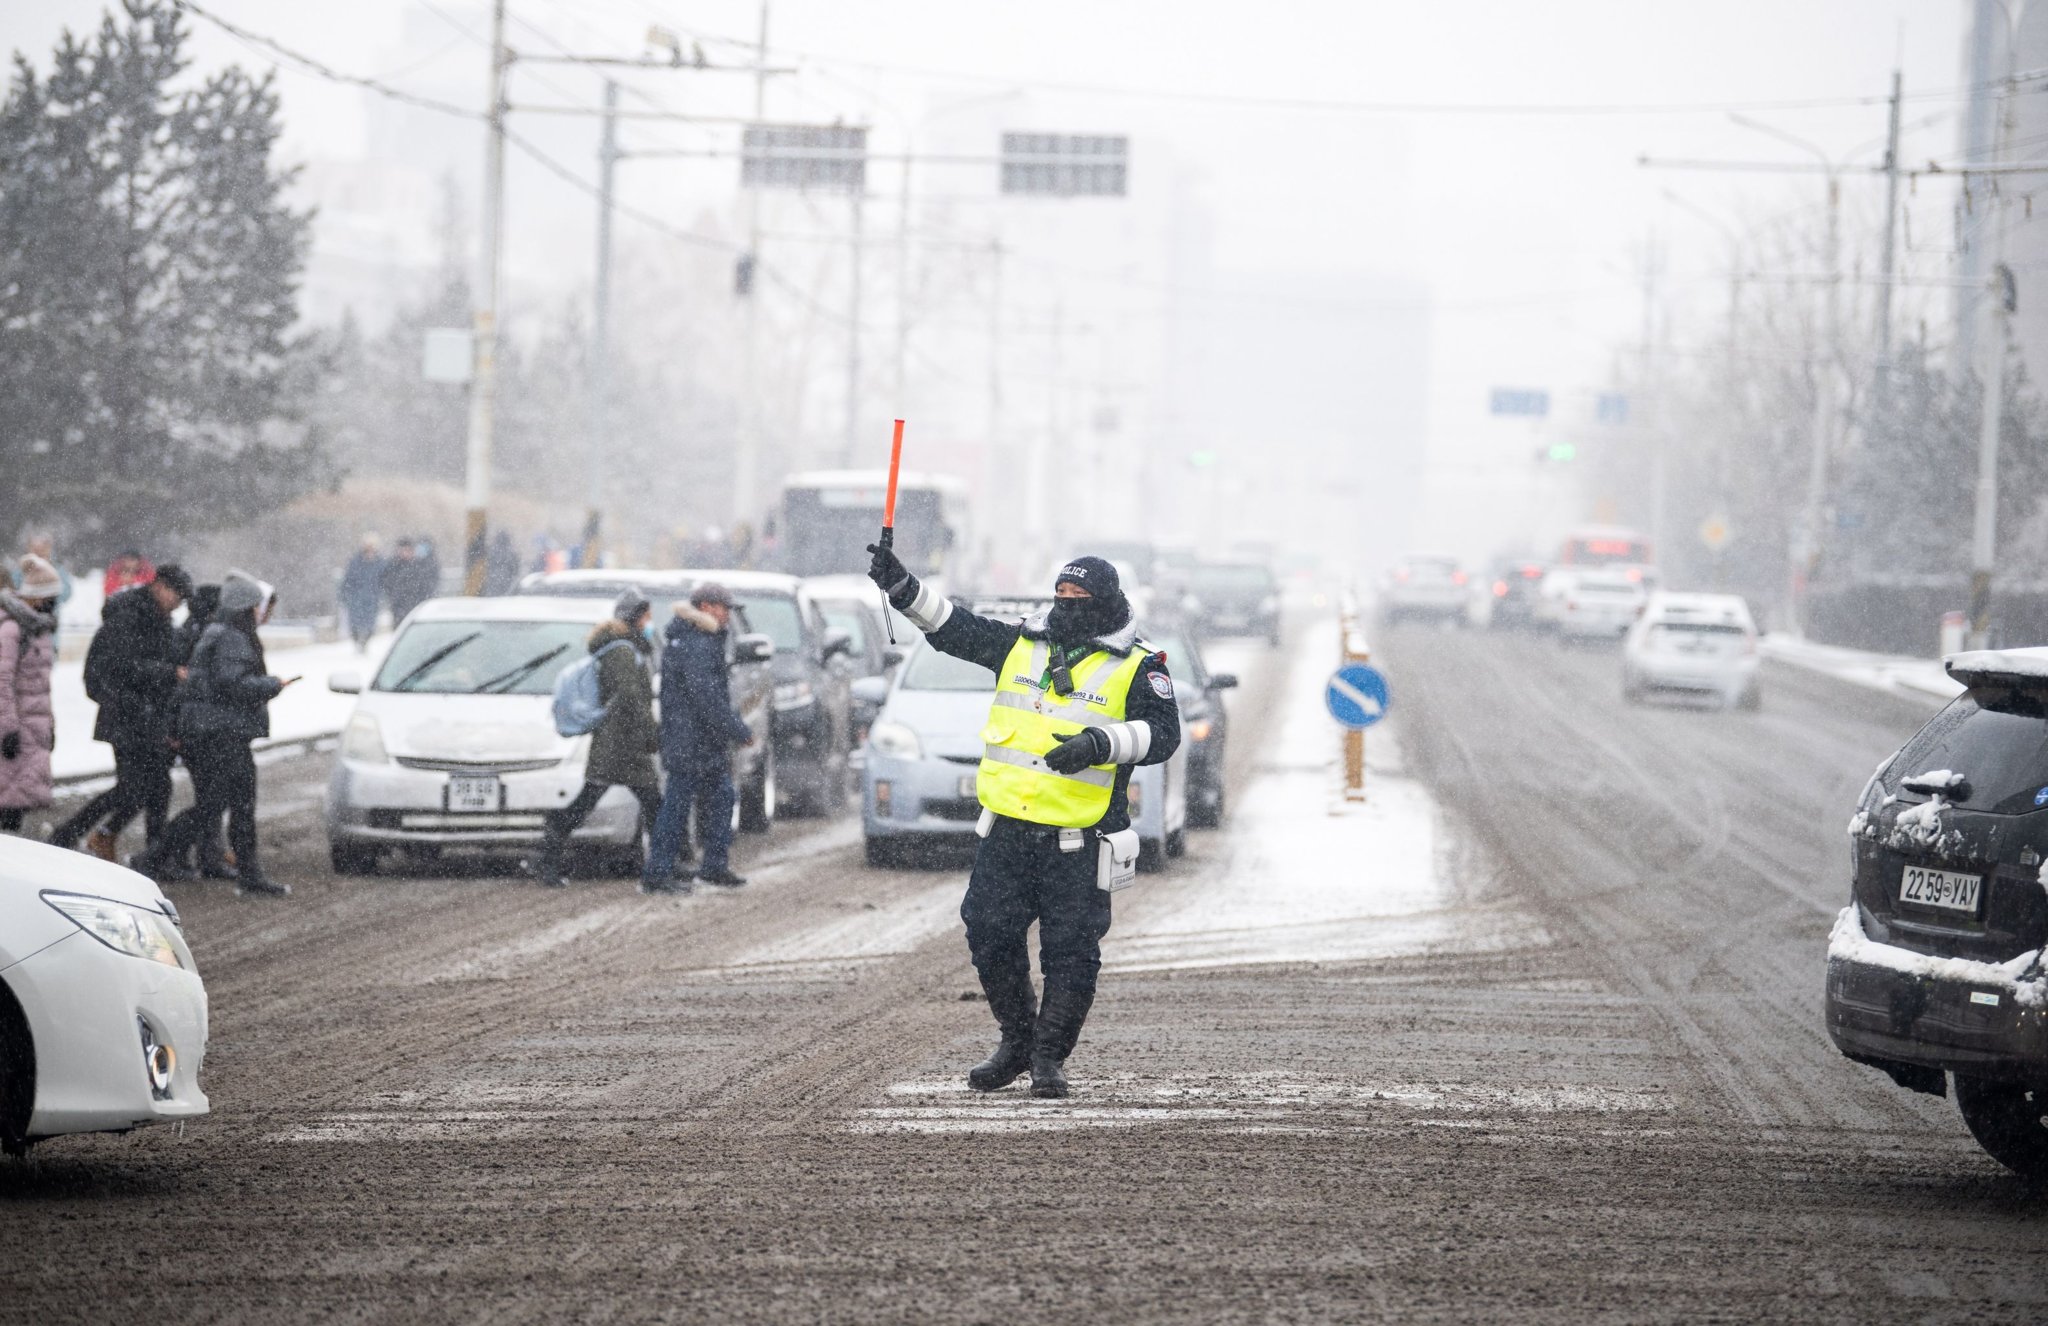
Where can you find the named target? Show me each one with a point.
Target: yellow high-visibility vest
(1027, 718)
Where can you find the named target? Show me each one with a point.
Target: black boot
(1015, 1006)
(547, 869)
(1053, 1039)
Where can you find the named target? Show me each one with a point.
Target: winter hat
(1093, 574)
(629, 605)
(711, 592)
(242, 592)
(175, 577)
(39, 580)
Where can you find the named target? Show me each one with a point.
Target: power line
(326, 71)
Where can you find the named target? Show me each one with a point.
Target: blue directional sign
(1520, 400)
(1357, 696)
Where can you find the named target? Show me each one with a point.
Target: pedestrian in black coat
(227, 706)
(132, 671)
(699, 729)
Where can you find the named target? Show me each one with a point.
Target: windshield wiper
(427, 665)
(518, 674)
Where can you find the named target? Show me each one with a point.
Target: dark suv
(1935, 967)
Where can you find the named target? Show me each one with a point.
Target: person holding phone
(226, 707)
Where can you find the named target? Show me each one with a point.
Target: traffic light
(1557, 451)
(743, 276)
(1202, 460)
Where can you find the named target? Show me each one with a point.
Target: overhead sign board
(829, 157)
(447, 354)
(1066, 165)
(1611, 408)
(1528, 401)
(1357, 696)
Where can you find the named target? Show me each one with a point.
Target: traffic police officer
(1078, 702)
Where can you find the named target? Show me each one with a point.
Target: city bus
(827, 518)
(1606, 545)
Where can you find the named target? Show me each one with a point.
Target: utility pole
(1998, 304)
(1647, 406)
(597, 380)
(852, 442)
(903, 284)
(746, 459)
(1889, 257)
(1806, 542)
(483, 387)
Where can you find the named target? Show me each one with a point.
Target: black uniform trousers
(1020, 876)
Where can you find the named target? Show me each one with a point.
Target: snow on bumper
(82, 1001)
(1889, 1003)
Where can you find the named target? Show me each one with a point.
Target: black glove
(892, 576)
(10, 745)
(1086, 747)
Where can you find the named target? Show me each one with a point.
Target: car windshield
(847, 618)
(1181, 660)
(775, 616)
(930, 670)
(1996, 737)
(475, 658)
(1233, 579)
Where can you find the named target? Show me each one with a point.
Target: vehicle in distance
(1425, 585)
(1516, 594)
(811, 706)
(830, 516)
(452, 744)
(851, 604)
(102, 1012)
(1235, 598)
(1696, 644)
(1204, 721)
(1591, 604)
(918, 781)
(1934, 967)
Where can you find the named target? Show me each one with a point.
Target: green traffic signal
(1562, 451)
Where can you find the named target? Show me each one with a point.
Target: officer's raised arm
(951, 630)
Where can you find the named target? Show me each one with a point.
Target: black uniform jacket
(987, 641)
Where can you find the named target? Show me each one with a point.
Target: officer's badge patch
(1162, 685)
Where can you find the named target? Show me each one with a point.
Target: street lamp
(1804, 550)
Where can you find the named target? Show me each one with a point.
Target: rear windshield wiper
(518, 674)
(428, 664)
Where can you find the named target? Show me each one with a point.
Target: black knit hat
(1093, 574)
(175, 578)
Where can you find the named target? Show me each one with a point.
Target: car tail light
(1635, 574)
(1457, 577)
(1401, 574)
(1531, 572)
(1500, 589)
(1749, 644)
(1199, 729)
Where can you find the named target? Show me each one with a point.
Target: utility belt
(1116, 860)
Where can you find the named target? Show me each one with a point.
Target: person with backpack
(227, 707)
(623, 735)
(132, 671)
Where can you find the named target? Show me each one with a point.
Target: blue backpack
(577, 707)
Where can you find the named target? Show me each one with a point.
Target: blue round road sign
(1357, 696)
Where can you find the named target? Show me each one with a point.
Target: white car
(102, 1013)
(1703, 644)
(1591, 604)
(453, 744)
(1426, 585)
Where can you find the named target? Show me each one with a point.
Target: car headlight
(1199, 729)
(895, 740)
(363, 741)
(136, 931)
(1269, 604)
(792, 694)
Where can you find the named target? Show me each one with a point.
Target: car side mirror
(893, 655)
(837, 641)
(753, 648)
(345, 683)
(870, 690)
(1223, 681)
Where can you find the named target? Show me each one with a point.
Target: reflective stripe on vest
(1026, 719)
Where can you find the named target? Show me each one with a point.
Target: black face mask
(1072, 621)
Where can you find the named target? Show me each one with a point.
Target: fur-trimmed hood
(690, 615)
(612, 629)
(1120, 642)
(32, 623)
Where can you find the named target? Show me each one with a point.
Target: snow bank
(2018, 978)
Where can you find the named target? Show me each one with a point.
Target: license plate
(966, 785)
(474, 792)
(1945, 889)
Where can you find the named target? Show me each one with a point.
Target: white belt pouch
(1117, 867)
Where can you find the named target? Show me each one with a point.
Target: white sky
(1526, 227)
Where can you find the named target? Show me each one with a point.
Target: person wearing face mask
(1079, 701)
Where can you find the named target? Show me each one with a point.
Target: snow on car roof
(514, 608)
(1697, 607)
(1982, 665)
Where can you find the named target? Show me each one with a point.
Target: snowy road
(1535, 1032)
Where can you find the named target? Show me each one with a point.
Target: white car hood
(470, 728)
(27, 869)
